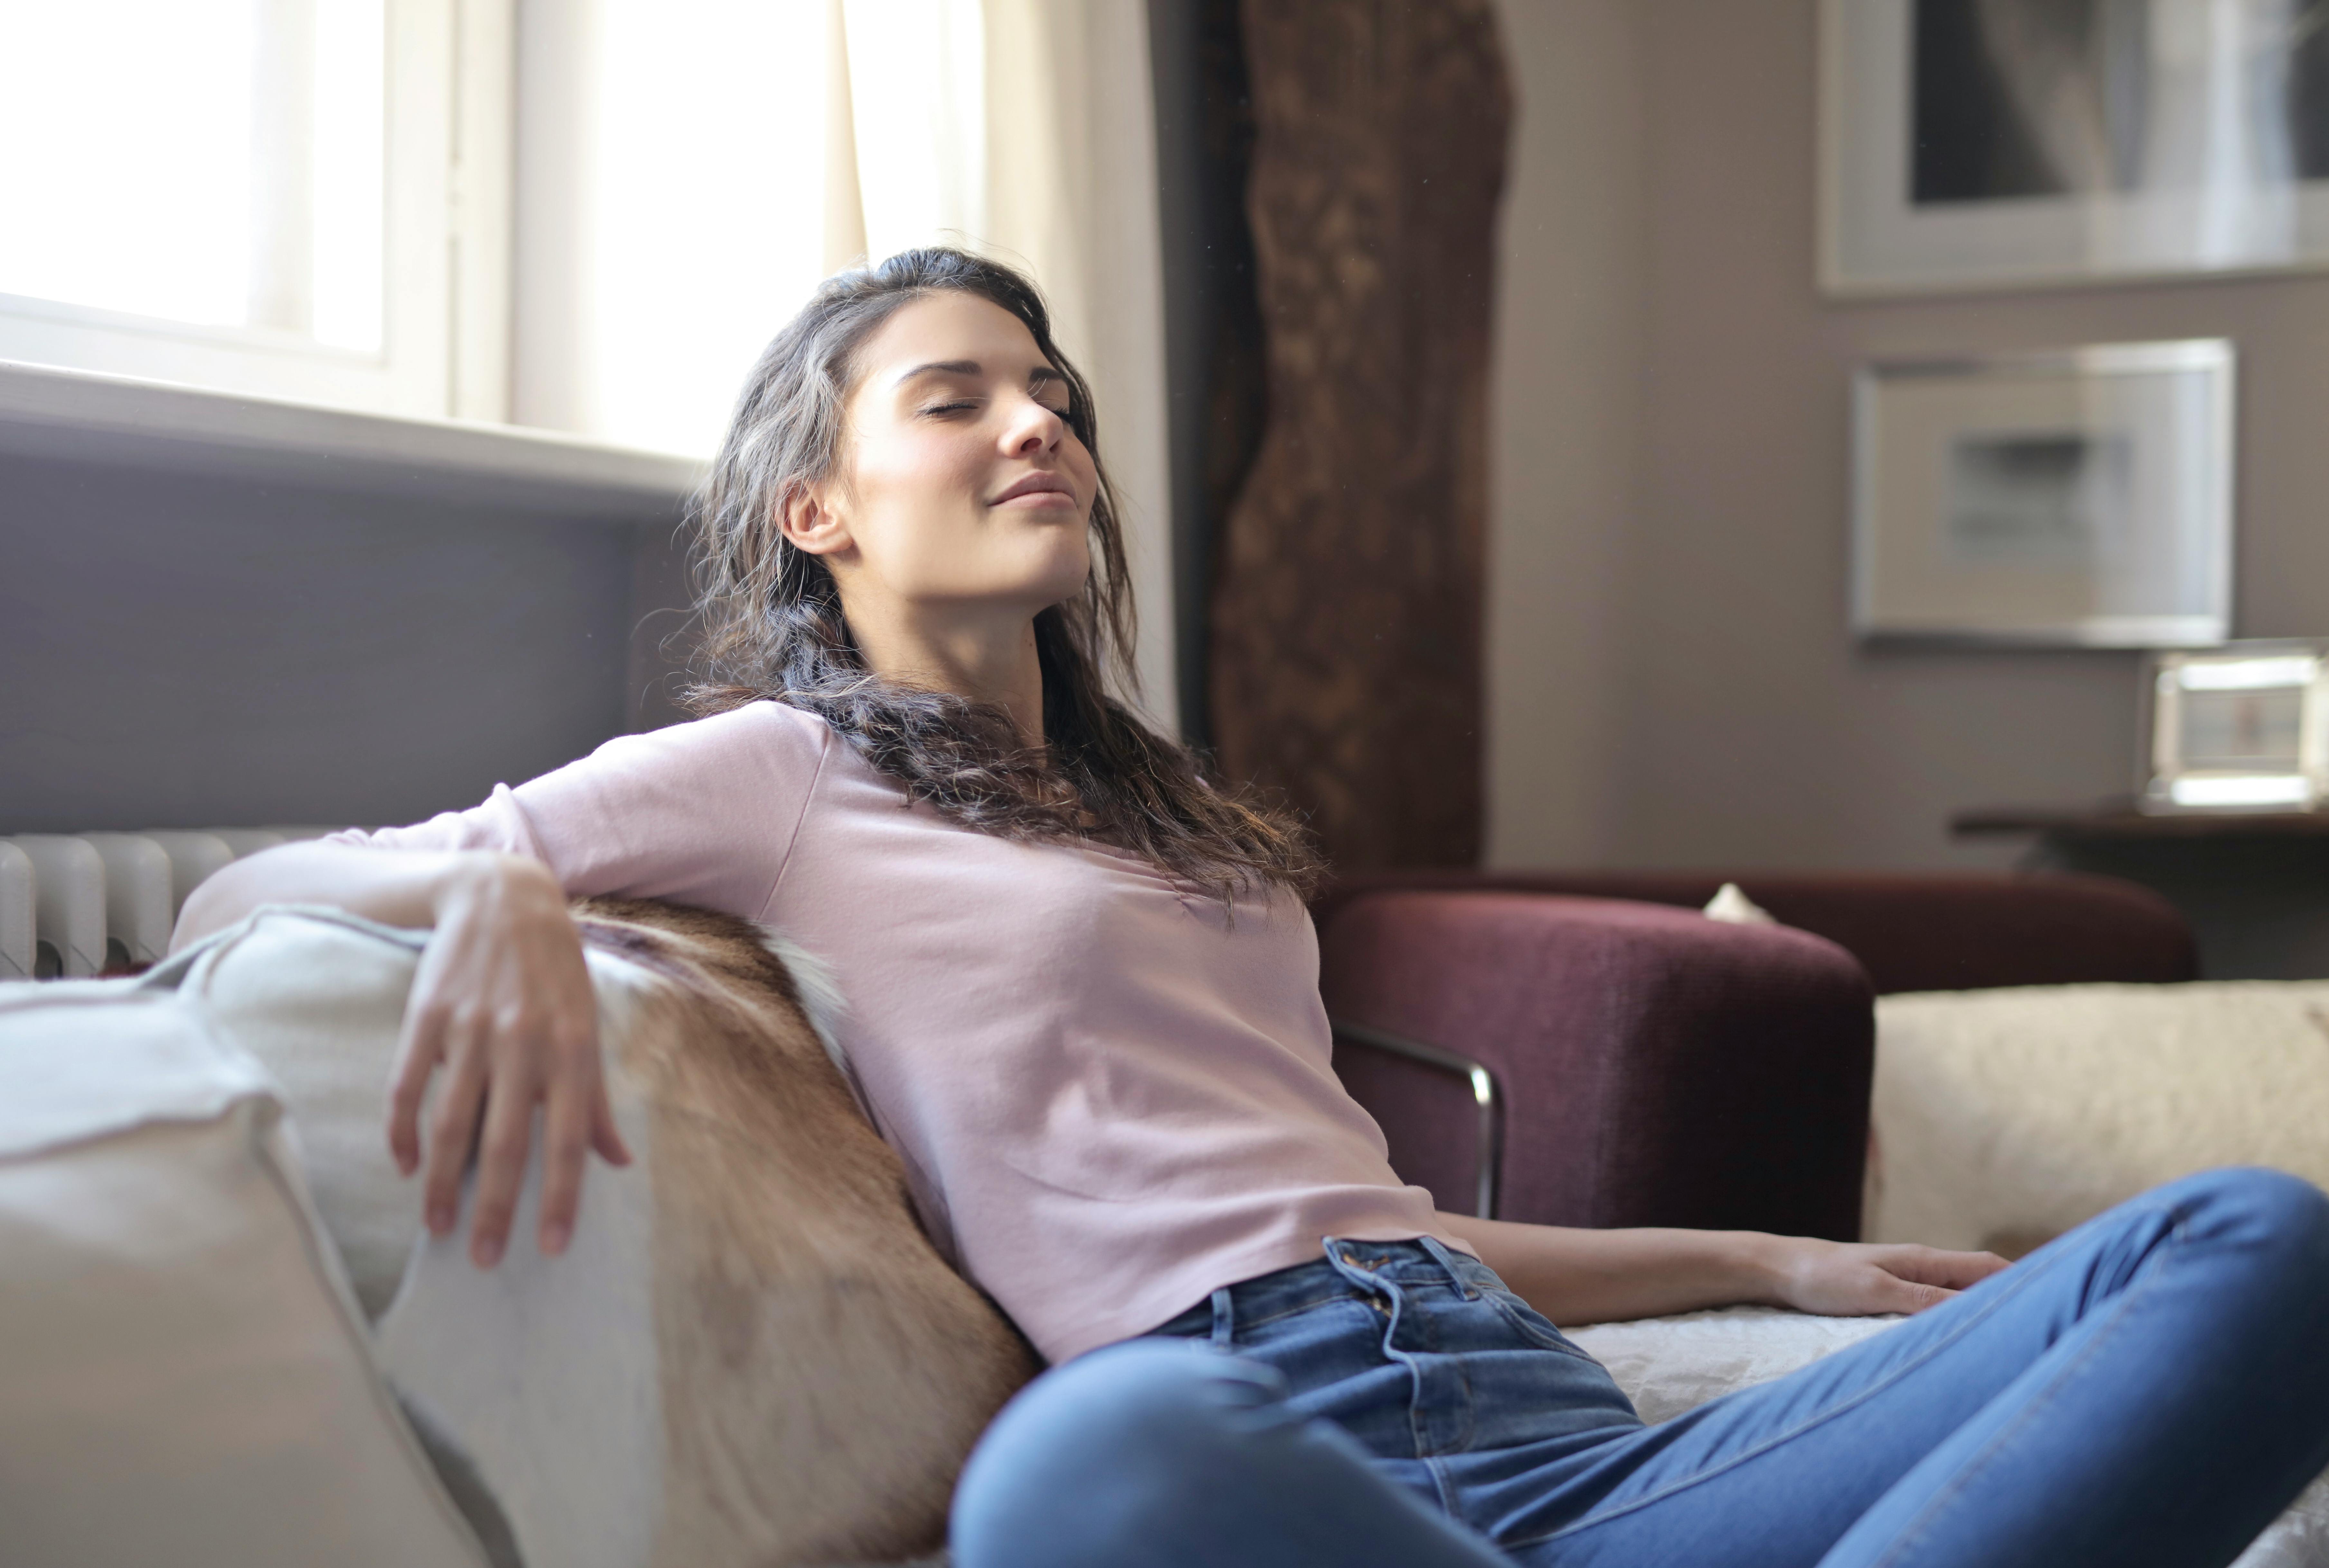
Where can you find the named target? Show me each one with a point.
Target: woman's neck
(982, 658)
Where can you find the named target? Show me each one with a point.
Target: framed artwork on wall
(2074, 498)
(2241, 728)
(1970, 144)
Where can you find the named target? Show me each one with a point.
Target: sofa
(1534, 1046)
(1644, 1065)
(1593, 1049)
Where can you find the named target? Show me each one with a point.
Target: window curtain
(1345, 630)
(687, 170)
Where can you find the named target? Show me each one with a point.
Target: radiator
(76, 904)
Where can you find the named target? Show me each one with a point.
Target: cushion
(184, 1375)
(1670, 1365)
(2003, 1118)
(749, 1352)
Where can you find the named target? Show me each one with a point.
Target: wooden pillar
(1347, 616)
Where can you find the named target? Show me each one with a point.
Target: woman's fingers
(1932, 1266)
(1888, 1292)
(1849, 1280)
(579, 1118)
(452, 1125)
(565, 1144)
(1958, 1269)
(503, 1001)
(1911, 1279)
(501, 1164)
(418, 1053)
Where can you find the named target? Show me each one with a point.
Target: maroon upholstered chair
(1572, 1048)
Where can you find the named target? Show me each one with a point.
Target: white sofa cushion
(183, 1377)
(2003, 1118)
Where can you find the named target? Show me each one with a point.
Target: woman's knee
(1124, 1432)
(1146, 1393)
(2263, 1203)
(1164, 1455)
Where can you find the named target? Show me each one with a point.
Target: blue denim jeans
(2150, 1389)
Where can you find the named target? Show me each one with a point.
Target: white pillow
(184, 1378)
(2003, 1118)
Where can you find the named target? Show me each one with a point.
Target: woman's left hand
(1852, 1280)
(1615, 1276)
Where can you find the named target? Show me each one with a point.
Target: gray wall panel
(186, 650)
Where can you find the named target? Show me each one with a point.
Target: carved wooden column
(1346, 623)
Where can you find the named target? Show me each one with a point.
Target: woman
(1084, 1010)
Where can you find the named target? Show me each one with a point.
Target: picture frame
(2241, 728)
(2069, 498)
(1992, 143)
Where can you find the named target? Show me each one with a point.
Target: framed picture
(1968, 144)
(2244, 728)
(2079, 498)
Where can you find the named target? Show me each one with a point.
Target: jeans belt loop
(1224, 1320)
(1439, 1254)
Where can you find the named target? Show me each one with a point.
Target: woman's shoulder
(752, 746)
(763, 721)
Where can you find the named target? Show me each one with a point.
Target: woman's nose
(1035, 429)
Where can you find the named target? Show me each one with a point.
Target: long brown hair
(772, 627)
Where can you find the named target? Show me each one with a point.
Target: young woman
(1084, 1010)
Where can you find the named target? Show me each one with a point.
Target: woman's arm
(1602, 1276)
(502, 1000)
(394, 887)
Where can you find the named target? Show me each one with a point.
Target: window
(581, 215)
(256, 195)
(694, 167)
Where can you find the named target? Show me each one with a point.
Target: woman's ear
(810, 523)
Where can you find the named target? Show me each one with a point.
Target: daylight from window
(323, 200)
(706, 200)
(736, 154)
(226, 171)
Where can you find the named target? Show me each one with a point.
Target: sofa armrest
(1912, 931)
(1656, 1067)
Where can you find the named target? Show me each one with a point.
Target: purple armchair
(1575, 1049)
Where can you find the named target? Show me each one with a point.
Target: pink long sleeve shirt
(1111, 1100)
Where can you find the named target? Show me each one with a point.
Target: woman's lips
(1037, 490)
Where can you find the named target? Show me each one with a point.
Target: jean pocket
(1529, 1323)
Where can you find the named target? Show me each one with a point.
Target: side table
(2255, 886)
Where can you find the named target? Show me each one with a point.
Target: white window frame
(445, 319)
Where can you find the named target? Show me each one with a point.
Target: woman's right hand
(503, 1002)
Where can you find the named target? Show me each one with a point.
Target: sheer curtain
(687, 170)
